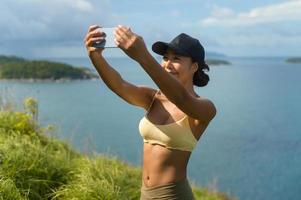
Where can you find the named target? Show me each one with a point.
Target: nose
(168, 64)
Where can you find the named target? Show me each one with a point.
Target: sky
(56, 28)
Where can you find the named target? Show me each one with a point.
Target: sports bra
(175, 135)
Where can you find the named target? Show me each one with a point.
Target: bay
(251, 149)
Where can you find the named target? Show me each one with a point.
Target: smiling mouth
(174, 73)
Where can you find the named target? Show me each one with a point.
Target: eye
(164, 58)
(176, 58)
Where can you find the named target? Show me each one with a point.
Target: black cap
(184, 45)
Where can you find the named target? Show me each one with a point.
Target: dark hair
(200, 78)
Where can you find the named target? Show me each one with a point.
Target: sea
(250, 150)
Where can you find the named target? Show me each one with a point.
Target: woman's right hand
(92, 36)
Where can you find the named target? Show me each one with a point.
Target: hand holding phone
(108, 42)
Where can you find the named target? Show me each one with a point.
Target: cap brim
(161, 48)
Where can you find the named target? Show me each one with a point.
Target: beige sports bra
(176, 135)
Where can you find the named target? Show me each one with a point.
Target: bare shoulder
(206, 100)
(203, 110)
(209, 103)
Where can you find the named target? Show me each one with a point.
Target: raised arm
(134, 46)
(136, 95)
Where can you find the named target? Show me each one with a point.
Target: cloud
(32, 28)
(83, 5)
(226, 17)
(40, 24)
(33, 19)
(258, 45)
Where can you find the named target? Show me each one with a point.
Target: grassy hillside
(18, 68)
(35, 165)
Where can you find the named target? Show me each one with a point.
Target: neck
(189, 87)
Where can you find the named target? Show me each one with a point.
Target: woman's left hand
(131, 43)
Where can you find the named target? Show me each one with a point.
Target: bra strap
(150, 105)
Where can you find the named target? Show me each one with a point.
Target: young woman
(176, 116)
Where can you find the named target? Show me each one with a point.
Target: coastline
(31, 80)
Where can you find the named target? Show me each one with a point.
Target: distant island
(213, 61)
(294, 60)
(210, 61)
(12, 67)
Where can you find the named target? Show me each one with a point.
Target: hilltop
(12, 67)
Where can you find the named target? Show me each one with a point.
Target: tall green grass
(35, 165)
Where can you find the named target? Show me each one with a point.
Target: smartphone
(109, 39)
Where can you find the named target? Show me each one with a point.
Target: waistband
(179, 190)
(176, 184)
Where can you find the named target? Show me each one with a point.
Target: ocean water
(251, 149)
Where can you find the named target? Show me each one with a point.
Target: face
(179, 66)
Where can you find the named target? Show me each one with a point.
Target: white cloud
(83, 5)
(290, 10)
(261, 40)
(34, 19)
(219, 12)
(40, 24)
(261, 45)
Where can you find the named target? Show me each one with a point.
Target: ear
(195, 66)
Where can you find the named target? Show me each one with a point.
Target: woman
(176, 116)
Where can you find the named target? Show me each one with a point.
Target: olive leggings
(179, 190)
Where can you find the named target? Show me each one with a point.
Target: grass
(35, 165)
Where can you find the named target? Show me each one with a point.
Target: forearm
(169, 85)
(108, 74)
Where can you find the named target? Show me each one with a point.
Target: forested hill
(12, 67)
(294, 60)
